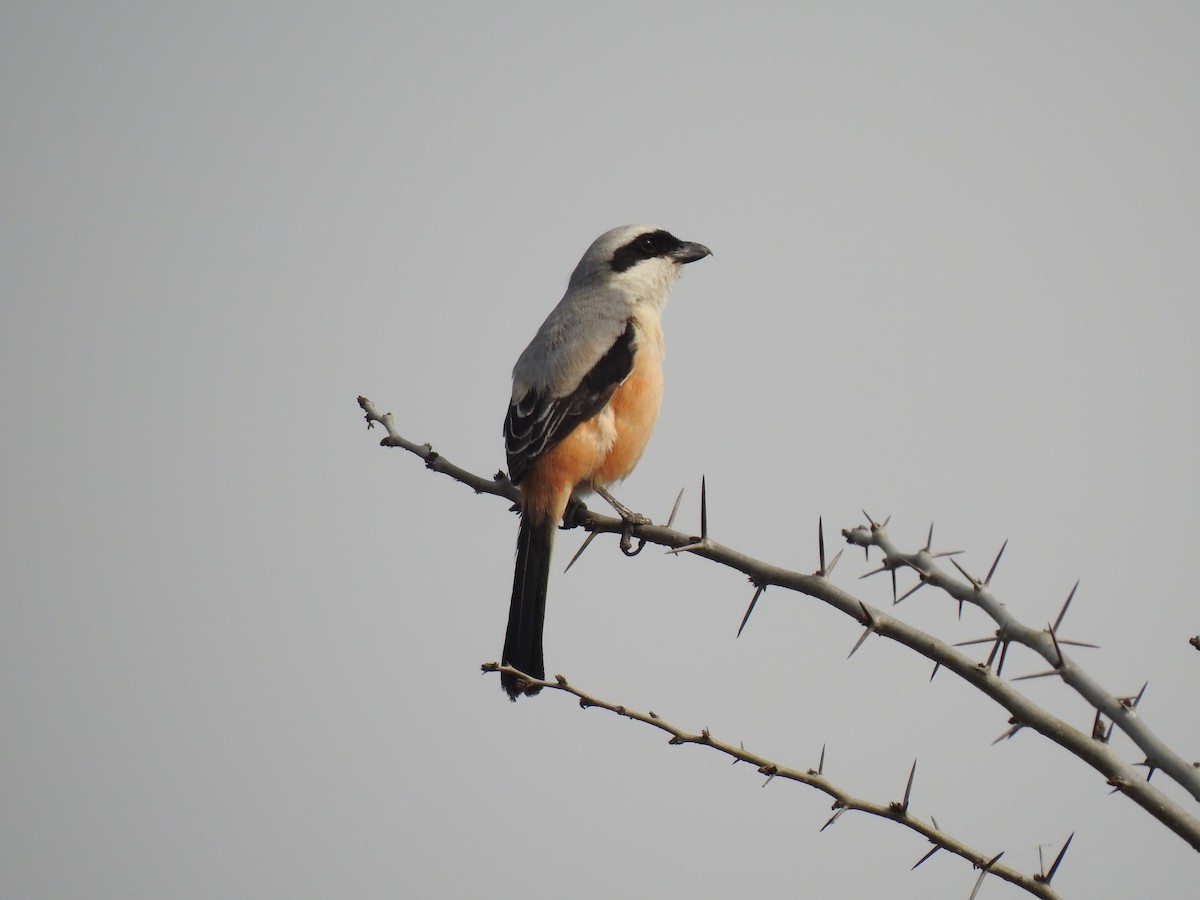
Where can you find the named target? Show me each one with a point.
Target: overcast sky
(957, 250)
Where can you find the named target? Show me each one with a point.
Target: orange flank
(606, 447)
(635, 410)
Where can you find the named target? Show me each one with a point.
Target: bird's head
(642, 260)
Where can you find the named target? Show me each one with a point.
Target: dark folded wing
(537, 422)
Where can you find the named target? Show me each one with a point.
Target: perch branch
(1024, 713)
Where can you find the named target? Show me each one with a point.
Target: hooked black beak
(688, 252)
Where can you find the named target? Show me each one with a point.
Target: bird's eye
(648, 243)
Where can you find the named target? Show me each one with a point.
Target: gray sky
(955, 281)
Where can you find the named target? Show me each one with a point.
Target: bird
(585, 397)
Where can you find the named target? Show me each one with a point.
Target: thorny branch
(1094, 751)
(1122, 711)
(1038, 885)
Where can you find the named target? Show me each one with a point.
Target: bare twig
(843, 801)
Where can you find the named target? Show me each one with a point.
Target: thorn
(874, 524)
(974, 582)
(836, 557)
(996, 562)
(1057, 649)
(1016, 726)
(936, 848)
(750, 608)
(978, 882)
(837, 815)
(695, 545)
(928, 549)
(1045, 674)
(1150, 767)
(936, 666)
(995, 648)
(703, 509)
(894, 600)
(1132, 702)
(675, 508)
(1062, 612)
(1138, 698)
(908, 787)
(884, 567)
(912, 590)
(826, 570)
(1078, 643)
(578, 553)
(859, 643)
(983, 874)
(1003, 656)
(1045, 879)
(821, 762)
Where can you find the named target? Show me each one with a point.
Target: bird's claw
(631, 519)
(627, 541)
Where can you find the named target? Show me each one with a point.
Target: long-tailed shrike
(585, 397)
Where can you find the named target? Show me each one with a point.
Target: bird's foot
(631, 519)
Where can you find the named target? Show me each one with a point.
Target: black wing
(536, 423)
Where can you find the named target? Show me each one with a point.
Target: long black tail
(527, 612)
